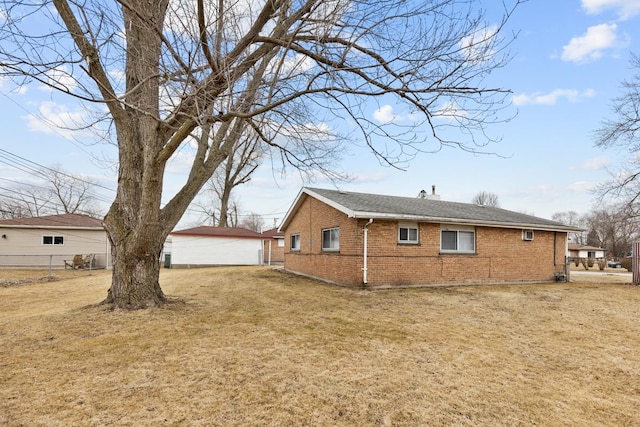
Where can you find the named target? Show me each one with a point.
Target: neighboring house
(584, 251)
(273, 247)
(50, 240)
(207, 246)
(359, 239)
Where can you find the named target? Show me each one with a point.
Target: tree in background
(485, 198)
(623, 131)
(235, 170)
(575, 219)
(190, 76)
(612, 228)
(254, 222)
(58, 192)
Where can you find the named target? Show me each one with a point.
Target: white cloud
(581, 186)
(7, 85)
(624, 8)
(552, 97)
(477, 46)
(60, 77)
(450, 110)
(53, 118)
(385, 114)
(590, 45)
(596, 163)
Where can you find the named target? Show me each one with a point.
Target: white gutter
(364, 264)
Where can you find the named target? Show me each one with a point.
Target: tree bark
(134, 222)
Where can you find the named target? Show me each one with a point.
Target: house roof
(577, 247)
(206, 230)
(54, 221)
(376, 206)
(273, 233)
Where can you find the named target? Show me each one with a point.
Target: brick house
(358, 239)
(273, 252)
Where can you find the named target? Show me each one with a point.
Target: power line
(12, 159)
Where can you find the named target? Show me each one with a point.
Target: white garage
(208, 246)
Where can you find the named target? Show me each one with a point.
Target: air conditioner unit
(527, 235)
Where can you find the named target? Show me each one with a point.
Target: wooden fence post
(635, 263)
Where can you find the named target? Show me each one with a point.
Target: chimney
(433, 196)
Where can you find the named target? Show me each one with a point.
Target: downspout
(364, 264)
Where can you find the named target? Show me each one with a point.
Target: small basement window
(53, 240)
(527, 235)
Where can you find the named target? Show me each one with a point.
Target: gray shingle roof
(364, 205)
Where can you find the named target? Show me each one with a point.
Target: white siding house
(208, 246)
(583, 251)
(51, 240)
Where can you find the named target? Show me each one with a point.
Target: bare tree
(56, 192)
(26, 200)
(612, 228)
(575, 219)
(623, 131)
(235, 170)
(197, 72)
(254, 222)
(72, 193)
(485, 198)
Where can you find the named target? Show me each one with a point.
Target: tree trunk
(135, 223)
(136, 260)
(135, 282)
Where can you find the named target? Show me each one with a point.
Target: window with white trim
(527, 235)
(53, 240)
(331, 239)
(295, 242)
(458, 240)
(408, 233)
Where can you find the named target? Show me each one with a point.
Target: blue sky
(569, 59)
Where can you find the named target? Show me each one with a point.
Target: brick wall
(501, 254)
(277, 252)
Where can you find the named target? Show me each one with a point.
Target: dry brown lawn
(252, 346)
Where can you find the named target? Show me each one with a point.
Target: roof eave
(422, 218)
(300, 198)
(54, 227)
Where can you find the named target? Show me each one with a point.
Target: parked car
(614, 264)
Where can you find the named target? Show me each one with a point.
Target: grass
(253, 346)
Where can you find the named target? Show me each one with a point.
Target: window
(458, 241)
(295, 242)
(281, 243)
(527, 235)
(331, 239)
(53, 240)
(408, 233)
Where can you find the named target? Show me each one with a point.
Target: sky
(569, 59)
